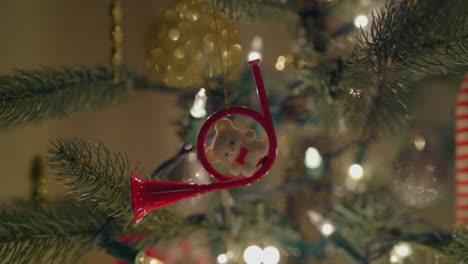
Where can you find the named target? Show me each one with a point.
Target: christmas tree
(365, 100)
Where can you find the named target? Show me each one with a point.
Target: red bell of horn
(151, 195)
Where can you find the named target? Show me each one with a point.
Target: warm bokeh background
(54, 33)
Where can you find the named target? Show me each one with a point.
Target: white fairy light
(281, 59)
(199, 104)
(142, 258)
(253, 55)
(279, 65)
(312, 159)
(327, 228)
(361, 21)
(253, 255)
(394, 259)
(271, 255)
(222, 258)
(402, 250)
(419, 143)
(355, 171)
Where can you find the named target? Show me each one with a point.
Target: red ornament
(150, 195)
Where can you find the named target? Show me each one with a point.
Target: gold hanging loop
(225, 77)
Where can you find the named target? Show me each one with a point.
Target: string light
(222, 258)
(419, 143)
(325, 226)
(281, 59)
(253, 255)
(279, 65)
(271, 255)
(402, 250)
(142, 258)
(361, 21)
(399, 252)
(312, 158)
(256, 48)
(253, 55)
(394, 259)
(199, 104)
(355, 171)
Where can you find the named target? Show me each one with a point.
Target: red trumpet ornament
(150, 195)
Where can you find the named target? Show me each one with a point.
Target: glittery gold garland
(182, 46)
(117, 38)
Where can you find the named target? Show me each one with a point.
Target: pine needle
(60, 234)
(425, 37)
(457, 251)
(92, 172)
(34, 95)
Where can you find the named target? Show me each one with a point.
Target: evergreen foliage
(457, 250)
(92, 172)
(33, 95)
(62, 233)
(408, 36)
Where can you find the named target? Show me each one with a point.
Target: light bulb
(361, 21)
(312, 159)
(281, 59)
(198, 109)
(253, 255)
(355, 171)
(419, 143)
(402, 250)
(327, 228)
(394, 259)
(253, 55)
(314, 217)
(222, 258)
(279, 65)
(271, 255)
(142, 258)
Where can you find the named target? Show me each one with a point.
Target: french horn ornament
(150, 195)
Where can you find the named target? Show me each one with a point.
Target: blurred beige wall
(55, 33)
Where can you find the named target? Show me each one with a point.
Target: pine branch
(33, 95)
(93, 173)
(429, 37)
(159, 225)
(457, 250)
(32, 235)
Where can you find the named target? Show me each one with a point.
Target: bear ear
(223, 124)
(211, 156)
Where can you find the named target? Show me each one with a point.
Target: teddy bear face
(226, 144)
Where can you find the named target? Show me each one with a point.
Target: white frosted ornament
(185, 167)
(418, 179)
